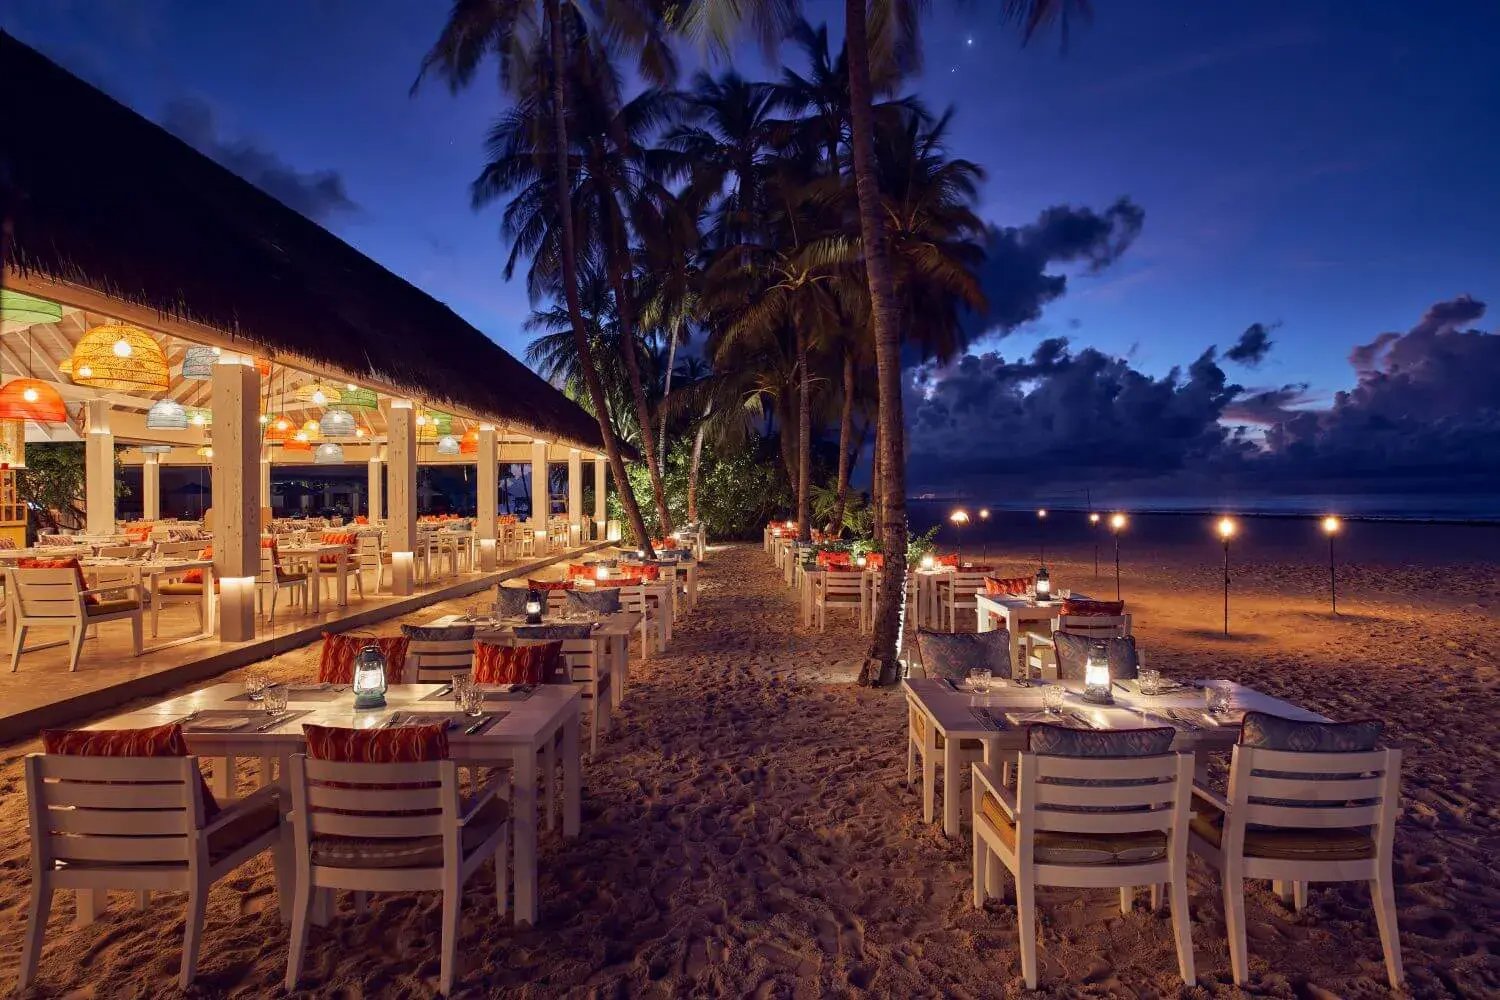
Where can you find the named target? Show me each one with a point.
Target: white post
(99, 471)
(541, 503)
(151, 488)
(575, 497)
(235, 475)
(265, 481)
(375, 503)
(601, 512)
(401, 520)
(488, 478)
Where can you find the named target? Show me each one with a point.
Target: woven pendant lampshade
(469, 444)
(276, 430)
(329, 453)
(198, 363)
(156, 449)
(166, 415)
(24, 310)
(120, 356)
(310, 431)
(32, 399)
(292, 445)
(354, 398)
(319, 394)
(448, 445)
(198, 416)
(337, 424)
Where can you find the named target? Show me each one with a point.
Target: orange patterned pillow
(874, 560)
(348, 539)
(1077, 608)
(580, 571)
(196, 575)
(549, 584)
(71, 562)
(138, 533)
(950, 560)
(1009, 586)
(828, 559)
(153, 741)
(396, 745)
(664, 543)
(336, 664)
(534, 663)
(640, 574)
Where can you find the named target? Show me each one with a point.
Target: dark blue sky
(1323, 165)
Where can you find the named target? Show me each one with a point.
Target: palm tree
(508, 29)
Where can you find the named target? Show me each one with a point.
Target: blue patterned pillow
(438, 633)
(1275, 732)
(572, 630)
(950, 656)
(601, 600)
(1073, 653)
(510, 601)
(1065, 741)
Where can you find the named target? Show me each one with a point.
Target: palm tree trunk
(804, 438)
(883, 651)
(692, 490)
(877, 526)
(785, 437)
(570, 282)
(625, 310)
(666, 394)
(846, 434)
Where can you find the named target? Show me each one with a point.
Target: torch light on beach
(1331, 526)
(1226, 529)
(984, 543)
(959, 518)
(1094, 526)
(1041, 534)
(1117, 524)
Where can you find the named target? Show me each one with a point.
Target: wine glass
(979, 679)
(1220, 698)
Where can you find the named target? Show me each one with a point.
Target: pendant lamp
(120, 356)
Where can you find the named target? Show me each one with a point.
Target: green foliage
(53, 481)
(738, 491)
(921, 545)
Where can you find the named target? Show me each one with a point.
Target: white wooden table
(309, 555)
(149, 573)
(949, 712)
(516, 740)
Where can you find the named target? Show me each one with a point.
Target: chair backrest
(367, 548)
(374, 801)
(436, 661)
(120, 551)
(1300, 790)
(47, 593)
(114, 811)
(966, 584)
(637, 599)
(178, 550)
(1088, 794)
(1093, 626)
(577, 651)
(843, 584)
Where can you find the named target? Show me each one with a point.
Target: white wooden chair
(958, 590)
(582, 667)
(274, 579)
(1038, 648)
(841, 589)
(349, 832)
(636, 599)
(179, 591)
(373, 558)
(1041, 837)
(178, 550)
(1297, 818)
(438, 661)
(135, 824)
(43, 598)
(327, 573)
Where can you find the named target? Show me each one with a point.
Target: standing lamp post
(984, 541)
(1331, 525)
(1094, 530)
(959, 518)
(1117, 524)
(1041, 535)
(1226, 529)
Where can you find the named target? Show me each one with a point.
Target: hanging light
(470, 443)
(32, 399)
(120, 356)
(198, 363)
(448, 445)
(351, 397)
(337, 424)
(206, 451)
(319, 394)
(329, 453)
(167, 415)
(263, 365)
(293, 445)
(276, 430)
(156, 449)
(360, 432)
(198, 416)
(310, 431)
(27, 310)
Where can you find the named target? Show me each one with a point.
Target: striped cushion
(1008, 586)
(153, 741)
(71, 562)
(397, 745)
(405, 852)
(1079, 608)
(1073, 653)
(534, 663)
(549, 584)
(336, 664)
(438, 633)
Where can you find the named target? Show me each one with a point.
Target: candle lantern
(601, 572)
(1043, 585)
(927, 561)
(369, 677)
(533, 607)
(1096, 675)
(860, 562)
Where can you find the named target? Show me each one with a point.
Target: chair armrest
(138, 588)
(1211, 797)
(985, 780)
(230, 810)
(494, 788)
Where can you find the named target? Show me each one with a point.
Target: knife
(477, 726)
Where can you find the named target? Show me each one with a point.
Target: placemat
(229, 720)
(457, 722)
(512, 692)
(306, 692)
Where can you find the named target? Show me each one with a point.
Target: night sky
(1324, 169)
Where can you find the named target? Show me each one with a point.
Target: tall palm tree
(510, 30)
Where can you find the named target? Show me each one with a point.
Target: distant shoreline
(1145, 510)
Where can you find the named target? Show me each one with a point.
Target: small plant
(921, 545)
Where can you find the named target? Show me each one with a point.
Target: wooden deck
(43, 692)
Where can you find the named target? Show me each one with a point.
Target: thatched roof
(107, 199)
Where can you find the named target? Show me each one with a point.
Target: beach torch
(1096, 675)
(984, 542)
(1093, 526)
(1043, 585)
(533, 607)
(1331, 525)
(1226, 529)
(959, 519)
(1116, 525)
(1041, 534)
(369, 677)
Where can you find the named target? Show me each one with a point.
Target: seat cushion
(247, 824)
(1060, 848)
(1286, 843)
(181, 588)
(336, 663)
(405, 852)
(952, 656)
(529, 663)
(113, 606)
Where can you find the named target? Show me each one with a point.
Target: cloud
(317, 194)
(1253, 346)
(1268, 406)
(1014, 276)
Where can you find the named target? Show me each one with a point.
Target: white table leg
(950, 786)
(523, 798)
(572, 776)
(343, 582)
(223, 779)
(90, 904)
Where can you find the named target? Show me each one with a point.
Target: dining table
(149, 573)
(309, 555)
(1021, 614)
(223, 723)
(997, 715)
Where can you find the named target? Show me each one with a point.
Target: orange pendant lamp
(120, 356)
(32, 399)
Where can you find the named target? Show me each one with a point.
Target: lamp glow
(122, 348)
(1331, 525)
(927, 561)
(1093, 518)
(984, 513)
(601, 572)
(369, 677)
(1096, 675)
(1225, 528)
(1117, 522)
(959, 516)
(30, 395)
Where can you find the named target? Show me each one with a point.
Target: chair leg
(502, 853)
(297, 942)
(1383, 895)
(452, 898)
(142, 900)
(197, 903)
(1182, 924)
(135, 634)
(981, 861)
(16, 649)
(911, 760)
(1026, 922)
(36, 929)
(1299, 896)
(79, 634)
(1127, 899)
(1234, 922)
(929, 782)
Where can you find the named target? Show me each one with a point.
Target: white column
(601, 512)
(151, 488)
(236, 477)
(401, 504)
(99, 471)
(575, 497)
(375, 506)
(265, 481)
(541, 505)
(488, 478)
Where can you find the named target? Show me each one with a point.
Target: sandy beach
(747, 830)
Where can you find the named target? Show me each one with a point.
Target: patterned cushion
(138, 533)
(829, 559)
(510, 601)
(405, 852)
(336, 664)
(71, 562)
(604, 600)
(549, 584)
(1065, 741)
(1058, 847)
(874, 560)
(397, 745)
(6, 544)
(580, 571)
(638, 573)
(348, 539)
(534, 663)
(1289, 843)
(196, 575)
(1007, 586)
(438, 633)
(948, 560)
(153, 741)
(952, 656)
(571, 630)
(1073, 653)
(1273, 732)
(45, 541)
(1078, 608)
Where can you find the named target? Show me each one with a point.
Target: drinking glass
(1150, 681)
(255, 684)
(275, 698)
(462, 684)
(979, 679)
(1220, 697)
(470, 698)
(1052, 698)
